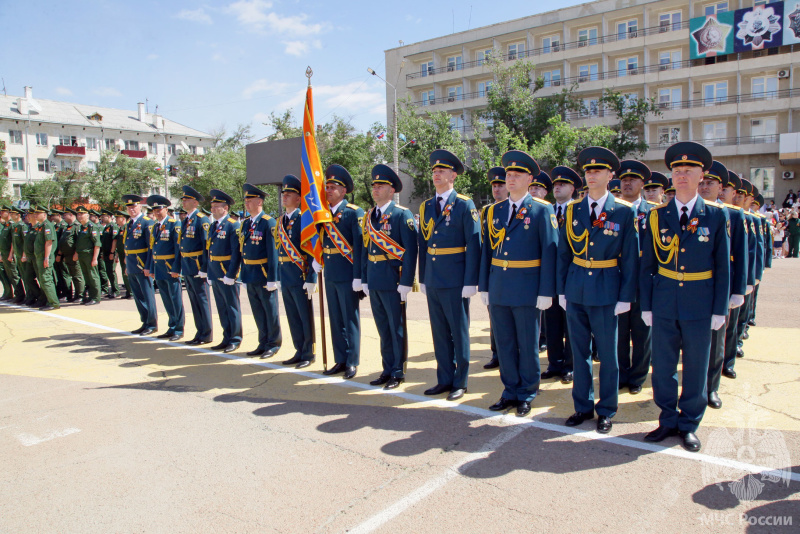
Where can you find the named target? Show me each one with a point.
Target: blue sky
(215, 64)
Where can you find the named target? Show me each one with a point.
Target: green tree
(117, 174)
(64, 188)
(5, 196)
(632, 114)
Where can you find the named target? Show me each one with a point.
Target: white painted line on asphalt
(464, 408)
(29, 439)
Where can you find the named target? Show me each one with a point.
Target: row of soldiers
(642, 283)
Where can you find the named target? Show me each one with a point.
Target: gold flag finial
(309, 74)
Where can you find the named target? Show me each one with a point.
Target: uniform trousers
(634, 347)
(229, 309)
(264, 305)
(449, 318)
(345, 321)
(170, 291)
(387, 312)
(517, 337)
(197, 289)
(145, 298)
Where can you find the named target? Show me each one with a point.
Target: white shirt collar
(192, 213)
(255, 218)
(132, 220)
(164, 219)
(384, 207)
(222, 219)
(637, 203)
(336, 207)
(601, 202)
(518, 203)
(689, 205)
(290, 213)
(446, 195)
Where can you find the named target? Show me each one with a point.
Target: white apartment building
(41, 137)
(744, 105)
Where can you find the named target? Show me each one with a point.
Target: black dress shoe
(203, 341)
(85, 300)
(230, 348)
(690, 441)
(456, 394)
(304, 363)
(739, 352)
(336, 369)
(729, 373)
(91, 303)
(350, 372)
(751, 322)
(176, 337)
(165, 335)
(257, 352)
(502, 404)
(660, 434)
(494, 363)
(635, 390)
(48, 308)
(579, 417)
(292, 361)
(542, 347)
(603, 424)
(714, 401)
(194, 341)
(269, 353)
(595, 357)
(550, 374)
(381, 380)
(220, 346)
(138, 330)
(148, 331)
(567, 378)
(127, 296)
(745, 335)
(523, 408)
(394, 382)
(438, 389)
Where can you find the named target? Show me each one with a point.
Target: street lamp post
(395, 150)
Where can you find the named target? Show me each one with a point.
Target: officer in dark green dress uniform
(18, 230)
(260, 271)
(449, 265)
(518, 263)
(108, 251)
(684, 289)
(598, 253)
(194, 264)
(34, 297)
(65, 256)
(13, 284)
(164, 265)
(45, 256)
(497, 179)
(388, 266)
(298, 279)
(8, 291)
(87, 250)
(137, 256)
(343, 244)
(121, 219)
(224, 259)
(713, 188)
(57, 218)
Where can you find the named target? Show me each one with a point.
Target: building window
(172, 149)
(669, 59)
(714, 131)
(17, 164)
(41, 139)
(131, 145)
(630, 101)
(484, 88)
(15, 137)
(587, 73)
(628, 66)
(111, 144)
(92, 165)
(483, 55)
(516, 50)
(716, 8)
(17, 190)
(552, 78)
(669, 98)
(43, 164)
(454, 63)
(764, 179)
(587, 36)
(427, 100)
(193, 149)
(764, 129)
(152, 147)
(173, 170)
(455, 93)
(457, 122)
(67, 140)
(91, 143)
(669, 21)
(426, 68)
(590, 108)
(551, 44)
(66, 165)
(715, 93)
(669, 135)
(627, 29)
(765, 87)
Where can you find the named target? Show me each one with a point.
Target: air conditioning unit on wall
(784, 73)
(788, 175)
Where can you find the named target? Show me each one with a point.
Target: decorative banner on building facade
(759, 27)
(711, 35)
(791, 23)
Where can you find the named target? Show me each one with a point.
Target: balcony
(67, 151)
(139, 154)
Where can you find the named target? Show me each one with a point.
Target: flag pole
(321, 284)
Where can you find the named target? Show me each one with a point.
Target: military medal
(693, 225)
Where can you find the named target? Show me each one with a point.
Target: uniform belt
(506, 264)
(446, 251)
(192, 254)
(262, 261)
(333, 250)
(136, 251)
(163, 256)
(688, 277)
(594, 264)
(285, 259)
(219, 258)
(379, 257)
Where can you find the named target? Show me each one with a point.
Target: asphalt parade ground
(104, 431)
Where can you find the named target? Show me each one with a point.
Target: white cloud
(217, 56)
(265, 86)
(106, 91)
(195, 15)
(342, 99)
(301, 48)
(151, 57)
(255, 15)
(63, 91)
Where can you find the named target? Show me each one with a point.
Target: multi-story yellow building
(743, 105)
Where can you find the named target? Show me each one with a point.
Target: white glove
(622, 307)
(736, 301)
(404, 291)
(201, 275)
(717, 322)
(544, 302)
(468, 292)
(365, 289)
(208, 280)
(228, 281)
(357, 285)
(748, 290)
(485, 298)
(271, 286)
(309, 289)
(317, 267)
(562, 301)
(423, 290)
(647, 318)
